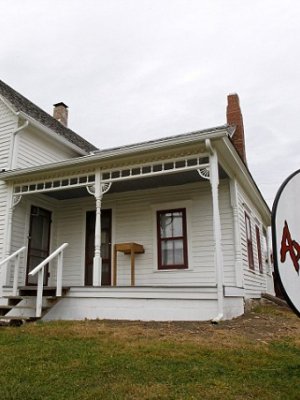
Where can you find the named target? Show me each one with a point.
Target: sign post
(286, 239)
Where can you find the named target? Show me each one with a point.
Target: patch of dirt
(264, 323)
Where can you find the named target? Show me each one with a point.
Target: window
(249, 241)
(259, 253)
(172, 240)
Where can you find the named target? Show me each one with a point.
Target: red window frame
(249, 241)
(259, 253)
(160, 240)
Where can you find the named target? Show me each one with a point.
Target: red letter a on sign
(289, 246)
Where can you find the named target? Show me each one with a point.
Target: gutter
(114, 153)
(13, 142)
(51, 133)
(38, 125)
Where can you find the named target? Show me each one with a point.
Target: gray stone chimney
(60, 112)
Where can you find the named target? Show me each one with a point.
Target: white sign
(286, 239)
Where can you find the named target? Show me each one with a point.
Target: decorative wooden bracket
(16, 200)
(104, 187)
(204, 173)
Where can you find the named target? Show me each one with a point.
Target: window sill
(172, 270)
(254, 272)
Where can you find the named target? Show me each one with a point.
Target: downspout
(9, 208)
(11, 155)
(214, 181)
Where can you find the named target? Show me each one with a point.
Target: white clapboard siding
(19, 238)
(227, 233)
(254, 281)
(8, 124)
(134, 220)
(37, 148)
(70, 221)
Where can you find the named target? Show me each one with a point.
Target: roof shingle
(20, 103)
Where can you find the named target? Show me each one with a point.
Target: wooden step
(15, 321)
(6, 307)
(4, 310)
(27, 294)
(13, 300)
(47, 290)
(33, 307)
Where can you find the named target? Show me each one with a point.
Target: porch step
(22, 308)
(47, 290)
(15, 321)
(4, 310)
(13, 300)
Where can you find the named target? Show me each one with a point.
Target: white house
(169, 229)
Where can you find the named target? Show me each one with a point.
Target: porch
(145, 303)
(96, 208)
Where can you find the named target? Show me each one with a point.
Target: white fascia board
(245, 179)
(52, 134)
(114, 153)
(48, 131)
(8, 105)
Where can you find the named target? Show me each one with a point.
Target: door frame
(46, 270)
(110, 212)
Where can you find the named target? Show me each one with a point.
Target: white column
(9, 219)
(7, 237)
(214, 181)
(97, 262)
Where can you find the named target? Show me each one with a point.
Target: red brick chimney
(60, 112)
(234, 117)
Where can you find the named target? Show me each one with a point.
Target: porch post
(8, 225)
(214, 182)
(97, 262)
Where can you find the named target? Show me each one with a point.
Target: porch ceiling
(136, 184)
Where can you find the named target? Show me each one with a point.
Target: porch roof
(184, 146)
(94, 159)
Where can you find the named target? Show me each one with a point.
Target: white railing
(16, 257)
(39, 269)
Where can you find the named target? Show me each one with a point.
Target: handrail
(15, 255)
(39, 269)
(48, 259)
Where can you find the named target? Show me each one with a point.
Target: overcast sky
(133, 70)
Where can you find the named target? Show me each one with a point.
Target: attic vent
(60, 113)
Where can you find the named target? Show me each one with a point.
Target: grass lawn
(253, 357)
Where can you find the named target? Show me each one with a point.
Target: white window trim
(187, 204)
